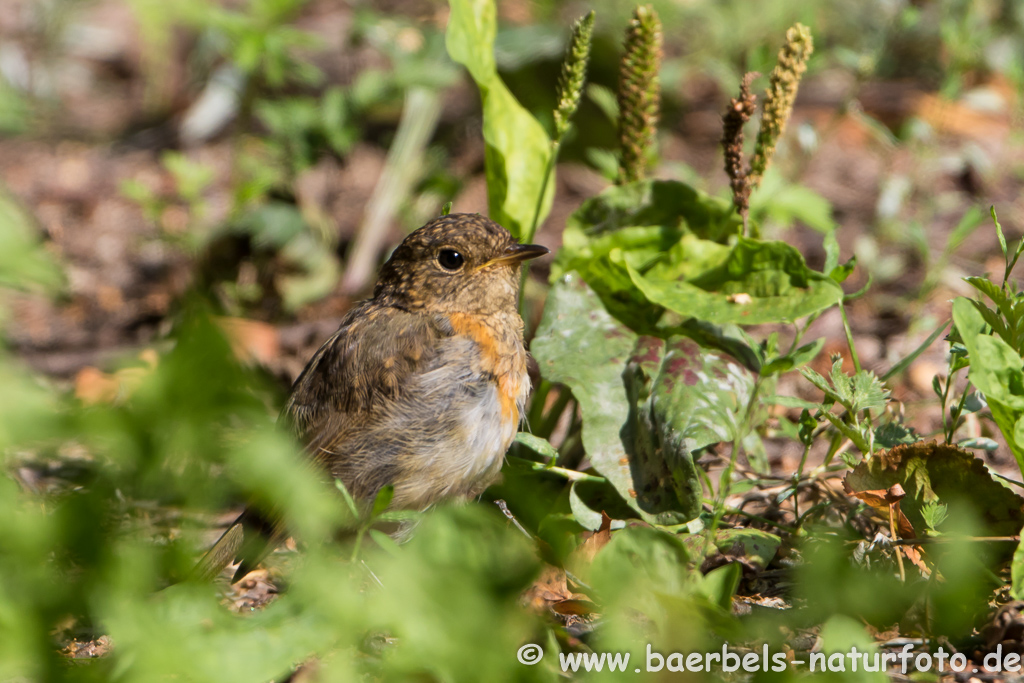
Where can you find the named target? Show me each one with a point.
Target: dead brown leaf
(888, 501)
(593, 541)
(93, 386)
(251, 341)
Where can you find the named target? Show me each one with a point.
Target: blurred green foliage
(108, 505)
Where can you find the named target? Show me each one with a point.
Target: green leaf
(23, 263)
(682, 398)
(518, 149)
(841, 272)
(538, 445)
(784, 202)
(840, 635)
(642, 560)
(857, 392)
(720, 584)
(350, 502)
(649, 217)
(758, 282)
(904, 363)
(995, 370)
(893, 434)
(383, 500)
(794, 359)
(646, 405)
(999, 233)
(579, 344)
(755, 547)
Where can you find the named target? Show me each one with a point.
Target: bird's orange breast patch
(497, 357)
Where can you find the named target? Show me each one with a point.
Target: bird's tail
(248, 540)
(223, 553)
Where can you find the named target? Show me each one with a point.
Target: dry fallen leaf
(594, 541)
(93, 386)
(251, 340)
(885, 500)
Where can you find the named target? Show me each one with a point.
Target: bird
(421, 388)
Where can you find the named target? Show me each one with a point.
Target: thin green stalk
(849, 339)
(955, 417)
(725, 480)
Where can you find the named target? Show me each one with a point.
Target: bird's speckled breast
(493, 396)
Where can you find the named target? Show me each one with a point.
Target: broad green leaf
(666, 226)
(518, 149)
(647, 405)
(643, 560)
(755, 547)
(646, 218)
(841, 635)
(579, 344)
(893, 434)
(759, 282)
(683, 398)
(662, 434)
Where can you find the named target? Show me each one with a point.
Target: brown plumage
(422, 386)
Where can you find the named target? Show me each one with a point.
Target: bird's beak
(516, 254)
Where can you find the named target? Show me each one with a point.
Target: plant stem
(725, 480)
(849, 339)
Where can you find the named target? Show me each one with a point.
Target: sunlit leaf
(517, 147)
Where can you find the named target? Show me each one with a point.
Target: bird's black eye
(450, 259)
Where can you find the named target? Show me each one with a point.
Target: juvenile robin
(422, 387)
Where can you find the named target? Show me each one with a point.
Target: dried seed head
(639, 93)
(739, 112)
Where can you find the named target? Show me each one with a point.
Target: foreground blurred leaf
(517, 147)
(23, 263)
(459, 577)
(1017, 571)
(841, 636)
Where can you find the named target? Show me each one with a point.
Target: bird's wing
(369, 362)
